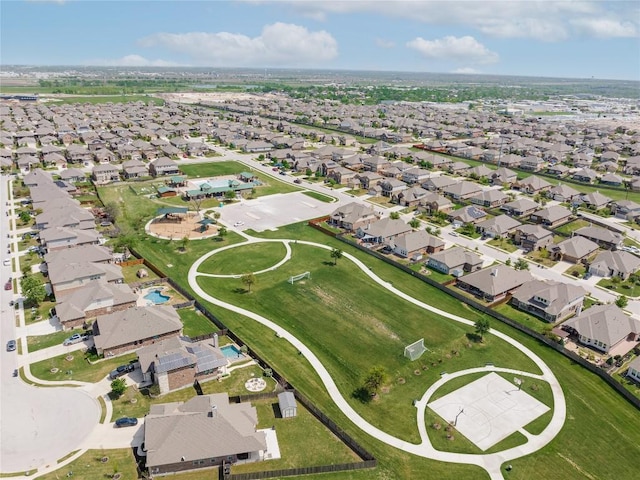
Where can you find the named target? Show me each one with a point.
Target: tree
(375, 379)
(33, 289)
(414, 223)
(336, 254)
(521, 264)
(248, 279)
(112, 210)
(394, 215)
(222, 231)
(622, 301)
(184, 243)
(216, 215)
(482, 327)
(229, 195)
(118, 387)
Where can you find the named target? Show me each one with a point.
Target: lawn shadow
(240, 290)
(474, 337)
(276, 410)
(328, 263)
(361, 394)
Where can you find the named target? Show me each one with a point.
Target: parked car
(297, 180)
(75, 338)
(121, 370)
(126, 422)
(6, 262)
(11, 345)
(8, 285)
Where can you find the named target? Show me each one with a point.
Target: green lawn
(130, 272)
(338, 300)
(195, 323)
(44, 341)
(319, 196)
(568, 228)
(541, 257)
(523, 318)
(245, 259)
(304, 429)
(270, 185)
(627, 287)
(41, 312)
(89, 465)
(78, 368)
(592, 405)
(503, 244)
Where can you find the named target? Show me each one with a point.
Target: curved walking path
(490, 462)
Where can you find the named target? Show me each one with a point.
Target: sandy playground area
(178, 226)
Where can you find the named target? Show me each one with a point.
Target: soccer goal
(415, 350)
(295, 278)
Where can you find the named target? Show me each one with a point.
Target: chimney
(215, 340)
(214, 411)
(494, 272)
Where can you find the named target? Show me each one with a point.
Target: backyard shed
(287, 403)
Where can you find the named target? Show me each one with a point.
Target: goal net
(415, 350)
(295, 278)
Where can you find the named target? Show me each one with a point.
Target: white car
(238, 224)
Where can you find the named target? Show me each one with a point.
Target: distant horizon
(533, 38)
(264, 70)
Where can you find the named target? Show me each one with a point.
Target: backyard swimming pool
(231, 351)
(156, 297)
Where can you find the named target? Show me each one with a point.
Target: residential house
(558, 170)
(392, 186)
(551, 216)
(177, 362)
(563, 193)
(493, 283)
(415, 244)
(594, 200)
(434, 202)
(69, 216)
(102, 174)
(532, 184)
(480, 171)
(415, 175)
(549, 300)
(438, 184)
(498, 227)
(454, 261)
(532, 237)
(606, 328)
(607, 239)
(88, 253)
(490, 198)
(353, 216)
(203, 432)
(520, 208)
(458, 168)
(532, 164)
(368, 179)
(341, 175)
(72, 175)
(462, 190)
(468, 214)
(585, 175)
(134, 169)
(61, 237)
(134, 328)
(626, 209)
(504, 176)
(612, 180)
(76, 307)
(163, 166)
(70, 276)
(575, 249)
(411, 196)
(383, 231)
(633, 371)
(616, 263)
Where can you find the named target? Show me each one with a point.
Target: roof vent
(494, 272)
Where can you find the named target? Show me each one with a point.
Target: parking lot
(269, 213)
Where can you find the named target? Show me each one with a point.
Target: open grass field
(592, 405)
(89, 465)
(352, 324)
(627, 287)
(270, 185)
(195, 324)
(78, 368)
(249, 258)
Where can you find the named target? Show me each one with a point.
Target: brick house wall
(137, 344)
(90, 314)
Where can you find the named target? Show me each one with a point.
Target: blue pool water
(156, 297)
(231, 351)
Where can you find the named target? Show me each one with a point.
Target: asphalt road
(38, 425)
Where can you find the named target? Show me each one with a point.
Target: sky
(542, 38)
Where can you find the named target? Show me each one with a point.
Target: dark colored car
(126, 422)
(297, 180)
(11, 345)
(122, 370)
(8, 285)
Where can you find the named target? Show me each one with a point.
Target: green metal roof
(169, 210)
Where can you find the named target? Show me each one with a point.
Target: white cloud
(460, 49)
(466, 70)
(383, 43)
(605, 27)
(131, 61)
(279, 44)
(546, 20)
